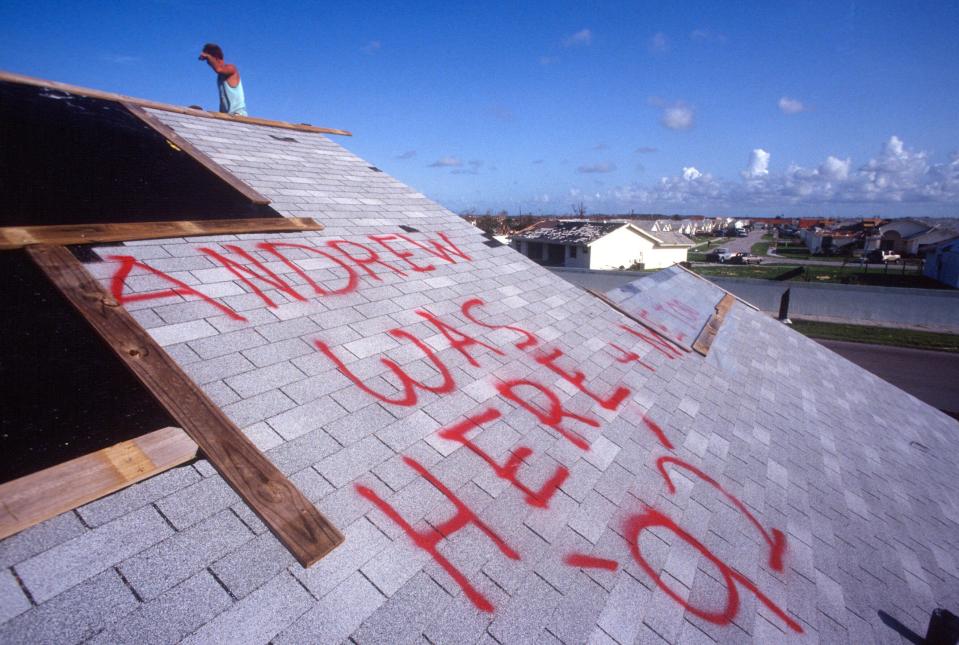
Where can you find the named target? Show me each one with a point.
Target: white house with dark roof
(601, 245)
(510, 458)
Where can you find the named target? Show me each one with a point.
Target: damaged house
(258, 391)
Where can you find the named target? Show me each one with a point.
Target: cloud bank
(896, 175)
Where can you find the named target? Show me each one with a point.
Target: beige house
(600, 245)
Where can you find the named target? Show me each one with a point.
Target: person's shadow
(943, 628)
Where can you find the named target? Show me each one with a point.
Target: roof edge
(21, 79)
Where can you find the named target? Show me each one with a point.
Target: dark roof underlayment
(69, 159)
(507, 455)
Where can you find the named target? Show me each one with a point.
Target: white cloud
(596, 167)
(371, 47)
(581, 37)
(835, 169)
(676, 116)
(447, 162)
(548, 60)
(896, 176)
(409, 154)
(791, 106)
(758, 164)
(659, 43)
(645, 150)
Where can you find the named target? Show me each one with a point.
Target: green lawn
(759, 248)
(797, 251)
(878, 335)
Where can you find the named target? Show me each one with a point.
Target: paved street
(932, 377)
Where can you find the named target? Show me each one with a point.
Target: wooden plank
(636, 319)
(292, 517)
(16, 237)
(37, 497)
(10, 77)
(171, 136)
(706, 337)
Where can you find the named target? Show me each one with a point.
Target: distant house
(600, 245)
(942, 262)
(909, 237)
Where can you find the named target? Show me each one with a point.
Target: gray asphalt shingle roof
(770, 444)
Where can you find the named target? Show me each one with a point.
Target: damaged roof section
(586, 232)
(508, 456)
(70, 159)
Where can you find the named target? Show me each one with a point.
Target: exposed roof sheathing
(611, 485)
(569, 232)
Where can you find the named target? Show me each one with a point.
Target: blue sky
(716, 108)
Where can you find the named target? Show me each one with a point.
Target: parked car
(720, 254)
(877, 256)
(745, 258)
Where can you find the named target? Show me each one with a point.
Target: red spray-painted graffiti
(552, 416)
(430, 538)
(354, 260)
(127, 263)
(408, 384)
(652, 518)
(537, 498)
(776, 540)
(546, 406)
(577, 379)
(350, 256)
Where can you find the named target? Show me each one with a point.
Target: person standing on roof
(228, 82)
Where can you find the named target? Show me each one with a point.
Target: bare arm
(219, 66)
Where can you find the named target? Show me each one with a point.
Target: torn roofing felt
(507, 455)
(69, 159)
(79, 398)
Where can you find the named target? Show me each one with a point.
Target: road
(932, 377)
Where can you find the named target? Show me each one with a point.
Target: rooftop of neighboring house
(509, 457)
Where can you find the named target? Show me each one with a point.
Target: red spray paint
(369, 257)
(439, 250)
(460, 341)
(589, 562)
(244, 273)
(552, 417)
(384, 241)
(630, 357)
(118, 283)
(471, 304)
(577, 379)
(352, 278)
(408, 384)
(652, 518)
(537, 498)
(776, 540)
(428, 539)
(655, 341)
